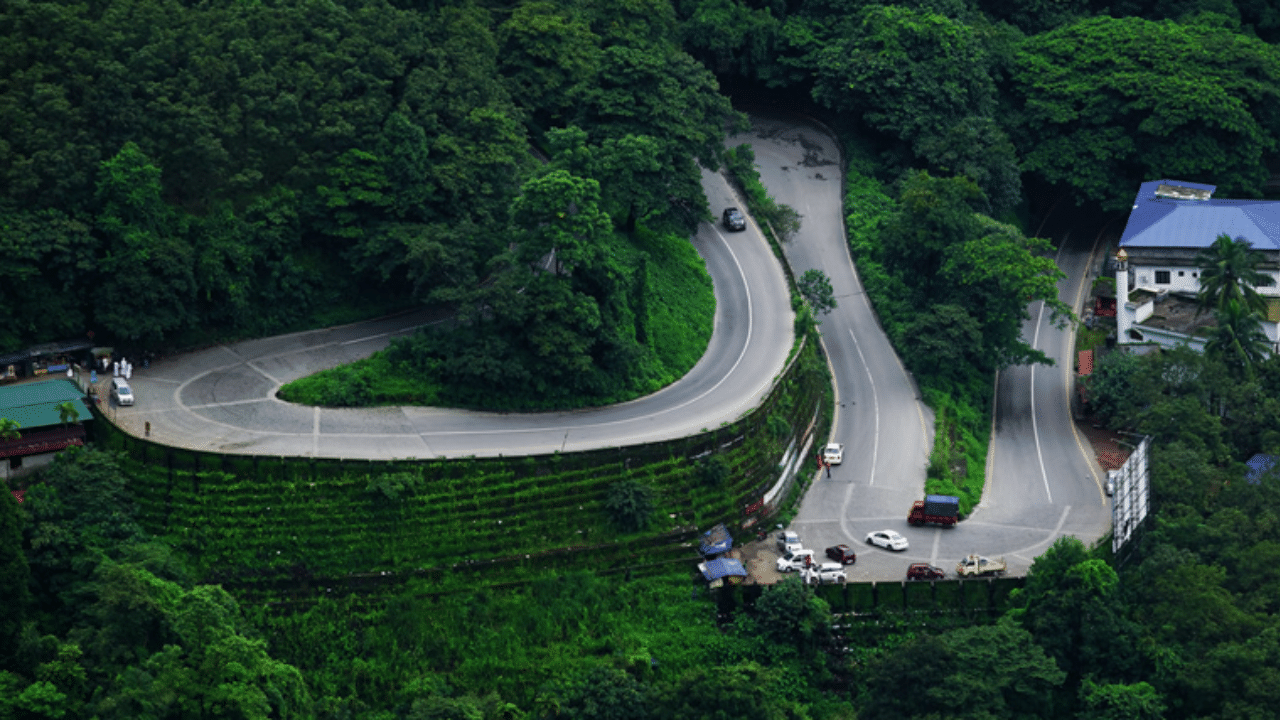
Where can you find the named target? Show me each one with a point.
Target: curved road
(222, 399)
(1042, 481)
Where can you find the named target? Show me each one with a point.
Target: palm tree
(1228, 273)
(68, 413)
(9, 429)
(1239, 340)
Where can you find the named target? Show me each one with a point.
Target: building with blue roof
(1157, 276)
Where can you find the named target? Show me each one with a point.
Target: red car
(842, 554)
(924, 571)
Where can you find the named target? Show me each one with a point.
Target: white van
(121, 391)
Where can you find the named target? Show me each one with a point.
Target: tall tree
(1239, 340)
(1110, 101)
(1228, 274)
(148, 284)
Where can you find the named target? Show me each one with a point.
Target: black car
(734, 219)
(924, 571)
(842, 554)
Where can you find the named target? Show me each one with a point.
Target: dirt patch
(1109, 447)
(760, 558)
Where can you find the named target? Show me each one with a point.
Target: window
(15, 463)
(1180, 273)
(1162, 277)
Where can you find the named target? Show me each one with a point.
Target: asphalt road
(222, 399)
(1041, 477)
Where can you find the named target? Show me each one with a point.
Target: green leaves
(630, 505)
(816, 290)
(1110, 102)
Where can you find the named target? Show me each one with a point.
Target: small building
(1157, 278)
(715, 541)
(716, 572)
(34, 406)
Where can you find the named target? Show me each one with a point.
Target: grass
(681, 317)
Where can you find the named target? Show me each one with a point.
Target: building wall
(30, 464)
(1167, 277)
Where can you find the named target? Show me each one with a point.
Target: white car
(788, 541)
(824, 573)
(887, 539)
(833, 454)
(795, 560)
(121, 391)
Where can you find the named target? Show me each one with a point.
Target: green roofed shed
(35, 405)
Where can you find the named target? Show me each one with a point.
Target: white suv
(795, 560)
(824, 573)
(121, 391)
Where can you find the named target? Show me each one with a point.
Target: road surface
(1043, 481)
(222, 399)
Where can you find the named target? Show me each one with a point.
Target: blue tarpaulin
(1260, 465)
(716, 541)
(724, 567)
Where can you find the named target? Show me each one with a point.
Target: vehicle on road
(824, 573)
(734, 219)
(887, 539)
(924, 571)
(842, 554)
(795, 560)
(975, 565)
(833, 454)
(121, 392)
(1110, 487)
(936, 509)
(788, 541)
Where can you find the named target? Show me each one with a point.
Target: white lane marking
(315, 432)
(875, 442)
(507, 431)
(1035, 423)
(875, 402)
(228, 403)
(252, 364)
(937, 540)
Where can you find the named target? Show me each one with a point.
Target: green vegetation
(951, 287)
(174, 173)
(776, 217)
(673, 295)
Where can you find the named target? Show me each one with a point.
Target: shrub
(630, 505)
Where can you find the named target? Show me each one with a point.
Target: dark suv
(842, 554)
(734, 219)
(924, 571)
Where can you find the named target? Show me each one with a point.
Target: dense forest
(176, 171)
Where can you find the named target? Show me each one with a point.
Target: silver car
(121, 391)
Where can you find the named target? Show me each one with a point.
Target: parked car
(734, 219)
(797, 560)
(121, 392)
(1110, 486)
(833, 454)
(887, 539)
(824, 573)
(924, 571)
(842, 554)
(788, 541)
(974, 565)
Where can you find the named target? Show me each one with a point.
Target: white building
(1157, 277)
